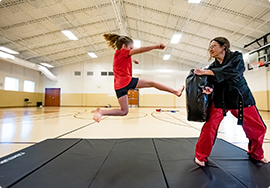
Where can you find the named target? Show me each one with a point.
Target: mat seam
(28, 174)
(218, 163)
(228, 172)
(162, 170)
(102, 164)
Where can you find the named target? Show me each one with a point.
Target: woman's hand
(208, 90)
(203, 72)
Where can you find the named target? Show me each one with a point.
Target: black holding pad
(197, 102)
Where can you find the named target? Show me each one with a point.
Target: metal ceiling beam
(246, 16)
(184, 32)
(63, 14)
(257, 40)
(57, 31)
(184, 18)
(119, 11)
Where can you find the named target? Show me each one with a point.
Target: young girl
(123, 80)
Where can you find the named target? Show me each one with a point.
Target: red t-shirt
(122, 68)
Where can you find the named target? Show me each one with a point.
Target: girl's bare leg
(146, 83)
(123, 101)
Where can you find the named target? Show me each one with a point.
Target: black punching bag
(197, 102)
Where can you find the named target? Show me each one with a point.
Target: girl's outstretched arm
(146, 49)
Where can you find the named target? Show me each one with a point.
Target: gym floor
(23, 127)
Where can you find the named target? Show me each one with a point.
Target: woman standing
(231, 92)
(123, 80)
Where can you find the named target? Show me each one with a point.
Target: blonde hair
(116, 41)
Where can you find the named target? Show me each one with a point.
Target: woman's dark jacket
(230, 87)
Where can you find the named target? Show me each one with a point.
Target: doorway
(52, 96)
(133, 97)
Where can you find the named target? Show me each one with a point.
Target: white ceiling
(33, 27)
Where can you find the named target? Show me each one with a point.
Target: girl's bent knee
(124, 112)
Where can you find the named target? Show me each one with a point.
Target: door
(52, 96)
(133, 97)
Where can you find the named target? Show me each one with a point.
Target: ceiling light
(176, 38)
(194, 1)
(93, 55)
(8, 50)
(47, 65)
(166, 57)
(137, 43)
(70, 35)
(6, 56)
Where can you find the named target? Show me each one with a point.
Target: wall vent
(90, 73)
(77, 73)
(103, 73)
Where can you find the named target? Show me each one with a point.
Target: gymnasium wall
(97, 90)
(259, 83)
(16, 98)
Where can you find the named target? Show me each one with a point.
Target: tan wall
(268, 94)
(262, 100)
(16, 98)
(145, 100)
(150, 100)
(87, 99)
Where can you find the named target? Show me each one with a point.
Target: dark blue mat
(147, 162)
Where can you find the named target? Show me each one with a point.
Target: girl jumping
(123, 80)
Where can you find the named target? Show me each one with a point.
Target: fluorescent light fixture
(93, 55)
(166, 57)
(176, 38)
(6, 56)
(69, 34)
(194, 1)
(8, 50)
(137, 43)
(47, 65)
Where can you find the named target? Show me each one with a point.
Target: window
(28, 86)
(90, 73)
(110, 73)
(77, 73)
(11, 84)
(103, 73)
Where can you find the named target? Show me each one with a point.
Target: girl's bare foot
(97, 116)
(264, 160)
(200, 163)
(180, 91)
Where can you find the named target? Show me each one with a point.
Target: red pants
(253, 126)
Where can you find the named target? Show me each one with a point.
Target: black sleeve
(234, 67)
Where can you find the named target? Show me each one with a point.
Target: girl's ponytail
(116, 41)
